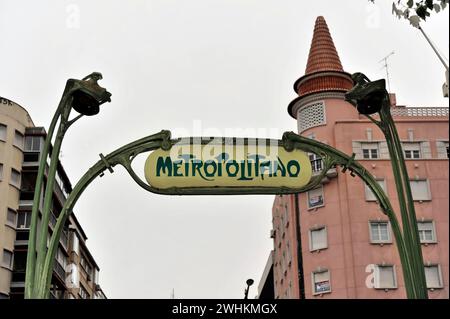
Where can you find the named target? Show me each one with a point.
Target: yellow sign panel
(227, 164)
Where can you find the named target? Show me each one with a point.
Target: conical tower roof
(324, 71)
(322, 55)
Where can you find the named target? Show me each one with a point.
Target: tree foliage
(416, 11)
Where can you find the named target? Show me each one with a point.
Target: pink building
(334, 242)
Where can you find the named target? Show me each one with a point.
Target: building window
(318, 238)
(2, 132)
(18, 139)
(379, 232)
(442, 149)
(33, 143)
(7, 260)
(427, 231)
(11, 217)
(86, 267)
(412, 150)
(315, 198)
(370, 150)
(370, 196)
(83, 293)
(316, 163)
(385, 277)
(20, 260)
(321, 282)
(15, 178)
(433, 276)
(1, 171)
(420, 190)
(24, 220)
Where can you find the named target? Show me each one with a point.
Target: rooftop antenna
(385, 66)
(172, 294)
(441, 58)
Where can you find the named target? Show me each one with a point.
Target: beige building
(75, 273)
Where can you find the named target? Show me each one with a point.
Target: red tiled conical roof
(324, 72)
(322, 55)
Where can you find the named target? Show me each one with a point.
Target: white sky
(223, 65)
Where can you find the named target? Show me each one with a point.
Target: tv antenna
(385, 66)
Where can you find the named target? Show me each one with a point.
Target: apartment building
(75, 273)
(334, 241)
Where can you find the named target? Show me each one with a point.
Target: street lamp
(85, 96)
(371, 98)
(249, 282)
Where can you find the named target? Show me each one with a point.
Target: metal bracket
(108, 166)
(350, 161)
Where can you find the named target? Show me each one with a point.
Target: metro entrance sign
(221, 166)
(227, 162)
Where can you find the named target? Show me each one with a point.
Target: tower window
(370, 150)
(412, 150)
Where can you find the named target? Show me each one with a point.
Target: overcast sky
(198, 67)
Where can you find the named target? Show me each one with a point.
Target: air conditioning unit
(89, 277)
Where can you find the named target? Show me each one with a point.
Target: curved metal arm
(146, 144)
(125, 155)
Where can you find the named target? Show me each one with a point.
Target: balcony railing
(64, 240)
(420, 111)
(52, 220)
(59, 270)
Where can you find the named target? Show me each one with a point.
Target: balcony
(59, 270)
(64, 239)
(52, 220)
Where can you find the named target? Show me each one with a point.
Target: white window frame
(433, 232)
(22, 139)
(27, 218)
(308, 198)
(368, 192)
(370, 146)
(380, 241)
(313, 282)
(428, 198)
(377, 277)
(316, 162)
(33, 138)
(10, 266)
(411, 147)
(3, 136)
(310, 233)
(440, 278)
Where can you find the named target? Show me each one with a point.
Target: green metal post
(415, 245)
(371, 98)
(48, 196)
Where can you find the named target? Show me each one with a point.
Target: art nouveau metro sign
(227, 163)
